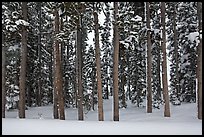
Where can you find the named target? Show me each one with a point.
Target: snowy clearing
(133, 121)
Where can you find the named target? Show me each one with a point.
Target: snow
(22, 22)
(133, 121)
(193, 36)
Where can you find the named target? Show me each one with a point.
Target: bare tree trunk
(58, 74)
(149, 63)
(98, 68)
(164, 64)
(39, 57)
(176, 53)
(123, 77)
(3, 77)
(115, 65)
(79, 67)
(199, 65)
(22, 83)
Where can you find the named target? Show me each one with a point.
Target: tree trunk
(199, 65)
(149, 63)
(39, 57)
(58, 74)
(164, 64)
(3, 77)
(98, 68)
(176, 53)
(79, 67)
(123, 77)
(115, 65)
(22, 79)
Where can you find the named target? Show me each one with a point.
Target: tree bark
(164, 64)
(115, 65)
(22, 78)
(98, 68)
(199, 65)
(79, 67)
(149, 63)
(39, 57)
(58, 74)
(3, 77)
(176, 53)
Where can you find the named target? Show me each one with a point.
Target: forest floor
(133, 121)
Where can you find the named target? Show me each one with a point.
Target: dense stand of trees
(46, 58)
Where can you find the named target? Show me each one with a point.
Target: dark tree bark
(58, 73)
(23, 64)
(98, 68)
(39, 57)
(115, 65)
(176, 53)
(3, 77)
(164, 64)
(199, 65)
(149, 63)
(79, 71)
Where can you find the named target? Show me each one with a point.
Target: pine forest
(81, 55)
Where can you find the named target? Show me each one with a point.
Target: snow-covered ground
(133, 121)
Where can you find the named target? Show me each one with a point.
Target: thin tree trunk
(123, 77)
(149, 63)
(115, 65)
(3, 77)
(39, 57)
(98, 68)
(176, 53)
(159, 77)
(58, 74)
(164, 64)
(22, 79)
(199, 65)
(79, 66)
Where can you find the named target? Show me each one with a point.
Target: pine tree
(174, 53)
(107, 50)
(199, 63)
(187, 25)
(164, 65)
(3, 77)
(149, 63)
(156, 54)
(115, 64)
(98, 64)
(22, 78)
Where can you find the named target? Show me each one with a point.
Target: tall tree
(149, 63)
(107, 50)
(173, 53)
(79, 64)
(39, 56)
(164, 64)
(115, 64)
(156, 54)
(58, 71)
(22, 79)
(3, 78)
(98, 65)
(176, 54)
(199, 63)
